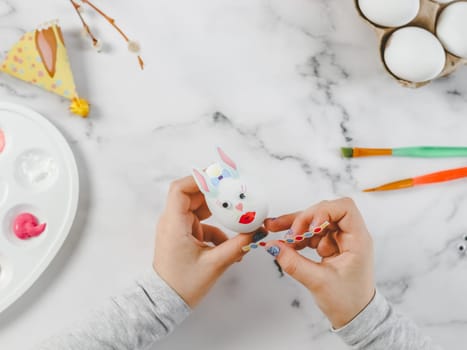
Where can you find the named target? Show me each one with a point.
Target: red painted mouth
(247, 217)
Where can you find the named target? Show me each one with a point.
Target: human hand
(182, 258)
(342, 283)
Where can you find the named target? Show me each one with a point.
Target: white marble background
(281, 85)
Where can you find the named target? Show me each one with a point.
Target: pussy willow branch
(76, 6)
(113, 24)
(107, 18)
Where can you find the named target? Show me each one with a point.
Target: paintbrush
(440, 176)
(421, 152)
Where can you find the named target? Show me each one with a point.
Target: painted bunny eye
(226, 205)
(242, 196)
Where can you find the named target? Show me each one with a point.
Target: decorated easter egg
(414, 54)
(392, 13)
(231, 200)
(451, 28)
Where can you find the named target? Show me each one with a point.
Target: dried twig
(77, 6)
(132, 45)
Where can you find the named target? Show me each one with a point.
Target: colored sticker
(288, 240)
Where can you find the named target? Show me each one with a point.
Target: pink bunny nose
(239, 206)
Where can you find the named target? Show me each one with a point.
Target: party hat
(40, 58)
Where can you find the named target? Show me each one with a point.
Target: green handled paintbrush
(420, 152)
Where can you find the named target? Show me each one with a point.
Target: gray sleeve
(378, 326)
(144, 314)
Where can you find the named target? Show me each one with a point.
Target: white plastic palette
(38, 174)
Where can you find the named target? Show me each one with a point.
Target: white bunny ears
(208, 181)
(228, 198)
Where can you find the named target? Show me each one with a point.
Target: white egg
(452, 28)
(414, 54)
(393, 13)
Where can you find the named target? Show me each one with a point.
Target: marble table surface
(281, 85)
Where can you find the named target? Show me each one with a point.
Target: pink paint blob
(2, 141)
(26, 226)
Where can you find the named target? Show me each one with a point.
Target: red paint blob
(26, 226)
(2, 141)
(262, 244)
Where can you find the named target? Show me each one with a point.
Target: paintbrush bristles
(347, 152)
(396, 185)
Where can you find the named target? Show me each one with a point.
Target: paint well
(36, 169)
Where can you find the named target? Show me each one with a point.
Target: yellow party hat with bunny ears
(40, 58)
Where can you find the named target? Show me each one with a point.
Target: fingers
(310, 218)
(314, 241)
(197, 230)
(203, 212)
(304, 270)
(229, 251)
(179, 198)
(185, 205)
(327, 246)
(197, 201)
(214, 234)
(343, 213)
(280, 223)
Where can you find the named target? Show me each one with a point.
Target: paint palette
(38, 176)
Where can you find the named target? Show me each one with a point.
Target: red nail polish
(317, 230)
(299, 238)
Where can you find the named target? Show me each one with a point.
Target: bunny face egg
(230, 201)
(237, 208)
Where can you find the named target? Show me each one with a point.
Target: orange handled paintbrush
(440, 176)
(420, 152)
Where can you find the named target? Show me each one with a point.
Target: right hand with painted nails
(342, 283)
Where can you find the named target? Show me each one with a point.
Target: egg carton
(426, 18)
